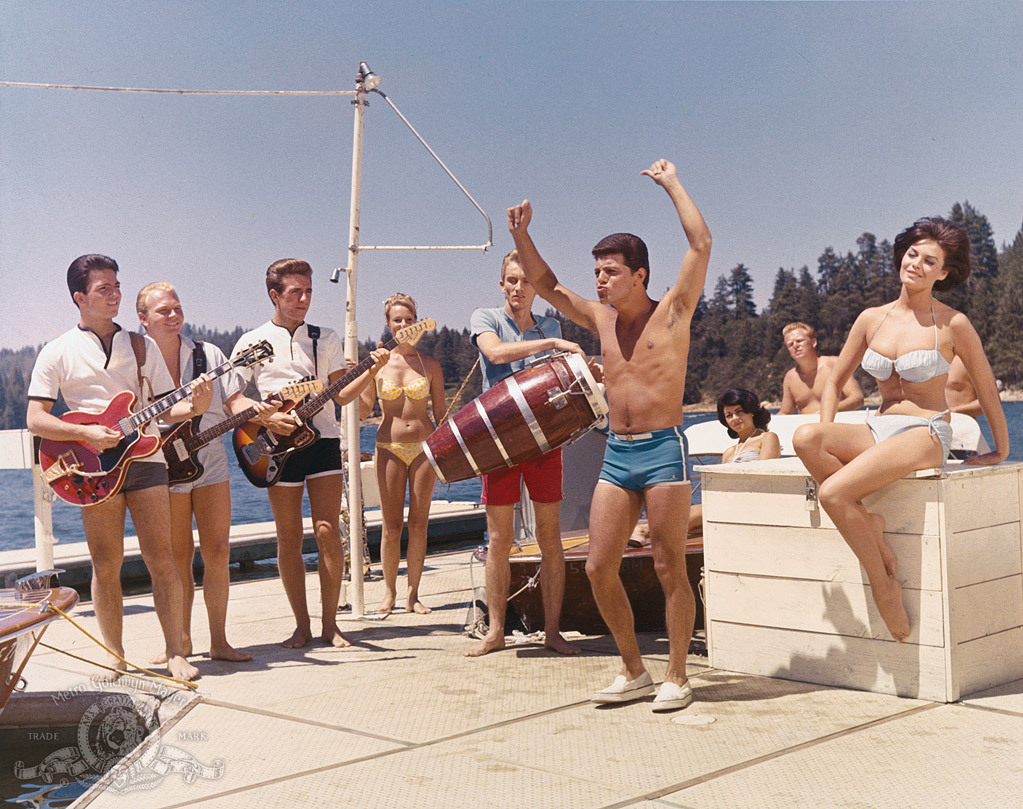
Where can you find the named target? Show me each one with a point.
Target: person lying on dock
(90, 365)
(302, 350)
(908, 347)
(207, 497)
(746, 419)
(507, 337)
(645, 348)
(408, 386)
(803, 385)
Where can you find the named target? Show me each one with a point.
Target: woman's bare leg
(422, 480)
(841, 495)
(392, 477)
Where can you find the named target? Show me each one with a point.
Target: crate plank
(994, 501)
(817, 554)
(984, 553)
(901, 669)
(988, 661)
(986, 609)
(838, 608)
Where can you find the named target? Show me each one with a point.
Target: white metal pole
(351, 411)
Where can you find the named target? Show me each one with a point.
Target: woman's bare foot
(332, 637)
(887, 555)
(486, 646)
(229, 653)
(181, 669)
(417, 606)
(558, 644)
(298, 639)
(385, 607)
(888, 599)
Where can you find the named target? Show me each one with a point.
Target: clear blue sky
(794, 126)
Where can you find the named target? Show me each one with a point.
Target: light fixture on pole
(367, 78)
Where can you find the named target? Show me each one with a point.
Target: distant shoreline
(869, 401)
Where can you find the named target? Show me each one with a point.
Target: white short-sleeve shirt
(293, 360)
(78, 366)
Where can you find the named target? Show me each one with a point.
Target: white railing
(17, 452)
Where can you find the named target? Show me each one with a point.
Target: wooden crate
(786, 597)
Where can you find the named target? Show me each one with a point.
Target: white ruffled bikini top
(913, 366)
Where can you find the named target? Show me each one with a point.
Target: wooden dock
(403, 719)
(457, 524)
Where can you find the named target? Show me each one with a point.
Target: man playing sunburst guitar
(90, 365)
(302, 350)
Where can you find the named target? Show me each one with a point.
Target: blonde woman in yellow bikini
(407, 386)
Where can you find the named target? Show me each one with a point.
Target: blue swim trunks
(641, 460)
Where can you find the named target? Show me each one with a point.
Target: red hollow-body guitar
(181, 446)
(262, 454)
(80, 475)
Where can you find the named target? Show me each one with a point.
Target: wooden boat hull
(579, 611)
(23, 619)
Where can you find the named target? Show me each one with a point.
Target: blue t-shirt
(500, 323)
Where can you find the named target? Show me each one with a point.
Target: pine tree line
(733, 345)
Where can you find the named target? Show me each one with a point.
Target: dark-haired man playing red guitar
(90, 365)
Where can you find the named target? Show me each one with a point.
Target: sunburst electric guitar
(181, 444)
(82, 476)
(262, 453)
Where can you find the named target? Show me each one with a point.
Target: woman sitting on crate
(407, 386)
(740, 411)
(907, 346)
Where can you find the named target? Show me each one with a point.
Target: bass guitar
(181, 444)
(262, 453)
(82, 476)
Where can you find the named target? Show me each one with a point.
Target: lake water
(251, 505)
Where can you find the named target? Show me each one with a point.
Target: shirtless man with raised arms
(645, 347)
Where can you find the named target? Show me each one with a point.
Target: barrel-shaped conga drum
(524, 416)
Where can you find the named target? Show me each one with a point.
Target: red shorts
(542, 476)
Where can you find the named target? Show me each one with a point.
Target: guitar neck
(199, 440)
(136, 421)
(316, 403)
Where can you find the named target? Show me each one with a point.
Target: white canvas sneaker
(622, 690)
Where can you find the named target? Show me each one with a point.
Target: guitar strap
(198, 360)
(138, 345)
(314, 335)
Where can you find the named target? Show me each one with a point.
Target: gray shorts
(144, 475)
(213, 458)
(889, 426)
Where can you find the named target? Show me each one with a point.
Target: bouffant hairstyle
(950, 237)
(399, 299)
(749, 402)
(632, 248)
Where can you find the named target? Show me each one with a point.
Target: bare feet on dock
(384, 608)
(332, 637)
(181, 669)
(106, 676)
(888, 599)
(161, 658)
(299, 638)
(887, 555)
(417, 606)
(485, 646)
(229, 653)
(558, 644)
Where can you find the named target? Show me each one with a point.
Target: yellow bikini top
(388, 390)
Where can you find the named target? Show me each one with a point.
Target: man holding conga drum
(507, 337)
(644, 346)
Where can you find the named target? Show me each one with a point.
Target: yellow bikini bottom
(406, 452)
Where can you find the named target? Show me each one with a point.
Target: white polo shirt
(293, 360)
(78, 366)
